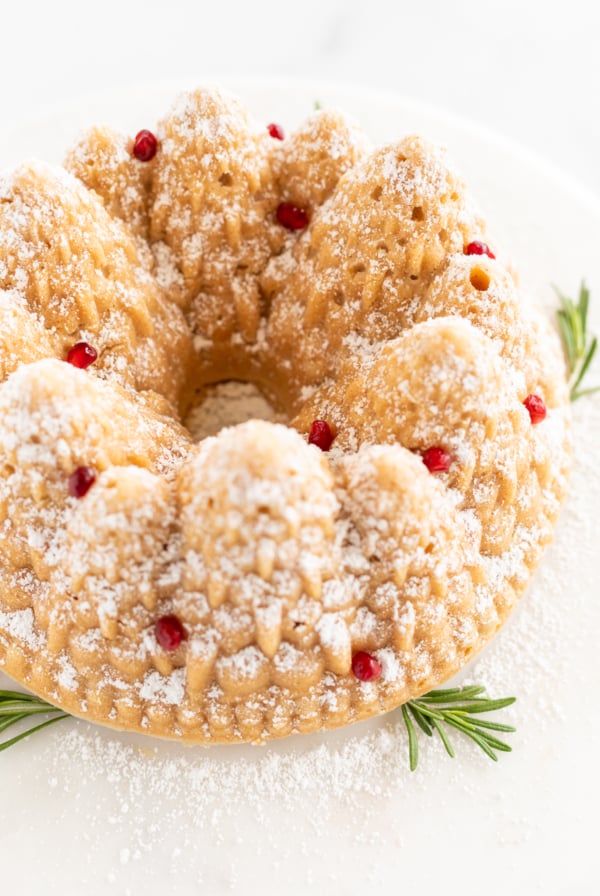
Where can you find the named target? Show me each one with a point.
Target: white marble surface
(526, 68)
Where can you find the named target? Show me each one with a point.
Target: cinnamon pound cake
(270, 579)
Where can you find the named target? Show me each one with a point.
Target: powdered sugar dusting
(168, 689)
(20, 625)
(200, 795)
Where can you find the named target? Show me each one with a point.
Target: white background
(532, 72)
(527, 68)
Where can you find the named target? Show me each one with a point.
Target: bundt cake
(269, 579)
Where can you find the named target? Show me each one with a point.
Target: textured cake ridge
(337, 279)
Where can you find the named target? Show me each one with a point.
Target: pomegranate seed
(81, 481)
(145, 146)
(437, 460)
(276, 131)
(291, 216)
(536, 407)
(365, 666)
(82, 355)
(169, 632)
(320, 435)
(478, 248)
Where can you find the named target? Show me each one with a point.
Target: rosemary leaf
(413, 746)
(585, 365)
(484, 746)
(495, 726)
(429, 711)
(584, 304)
(579, 348)
(12, 720)
(420, 719)
(566, 331)
(582, 392)
(469, 728)
(17, 695)
(472, 708)
(444, 738)
(15, 740)
(30, 709)
(453, 695)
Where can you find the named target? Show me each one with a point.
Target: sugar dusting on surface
(142, 787)
(146, 790)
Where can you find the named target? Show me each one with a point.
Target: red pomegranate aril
(82, 355)
(291, 216)
(321, 435)
(437, 460)
(365, 666)
(536, 407)
(81, 481)
(169, 632)
(145, 146)
(276, 131)
(476, 247)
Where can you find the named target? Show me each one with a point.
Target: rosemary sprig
(455, 708)
(579, 349)
(17, 707)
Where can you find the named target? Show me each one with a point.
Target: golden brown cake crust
(279, 560)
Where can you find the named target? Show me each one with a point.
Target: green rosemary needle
(16, 707)
(579, 348)
(457, 708)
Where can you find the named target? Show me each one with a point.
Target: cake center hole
(227, 404)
